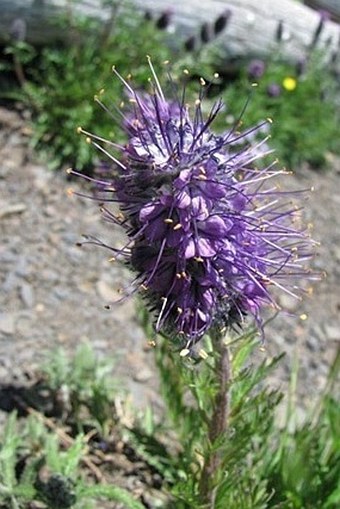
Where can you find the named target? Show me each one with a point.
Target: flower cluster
(208, 235)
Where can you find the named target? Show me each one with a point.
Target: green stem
(217, 425)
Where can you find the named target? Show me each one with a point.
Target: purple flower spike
(256, 68)
(209, 234)
(274, 90)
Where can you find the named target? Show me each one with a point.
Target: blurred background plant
(302, 100)
(56, 84)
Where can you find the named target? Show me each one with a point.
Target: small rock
(337, 253)
(143, 375)
(49, 275)
(8, 210)
(22, 268)
(313, 343)
(24, 325)
(7, 325)
(40, 307)
(27, 295)
(288, 303)
(332, 332)
(50, 211)
(106, 292)
(62, 293)
(10, 283)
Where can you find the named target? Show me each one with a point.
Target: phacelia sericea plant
(209, 234)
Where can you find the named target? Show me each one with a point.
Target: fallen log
(332, 7)
(240, 29)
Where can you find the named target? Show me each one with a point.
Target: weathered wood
(240, 28)
(330, 6)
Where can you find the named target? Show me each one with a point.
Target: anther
(70, 191)
(144, 287)
(88, 140)
(112, 259)
(79, 130)
(303, 317)
(186, 72)
(168, 220)
(202, 82)
(177, 226)
(179, 311)
(203, 354)
(184, 352)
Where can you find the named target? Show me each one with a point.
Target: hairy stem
(217, 425)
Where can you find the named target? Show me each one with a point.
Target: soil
(54, 293)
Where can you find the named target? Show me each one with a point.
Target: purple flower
(164, 19)
(256, 69)
(209, 235)
(274, 90)
(221, 21)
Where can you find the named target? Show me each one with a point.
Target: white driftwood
(330, 6)
(251, 30)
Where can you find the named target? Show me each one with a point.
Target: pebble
(106, 291)
(11, 282)
(8, 210)
(332, 332)
(49, 275)
(27, 294)
(143, 375)
(22, 269)
(24, 324)
(7, 323)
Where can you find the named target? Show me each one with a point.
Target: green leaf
(111, 493)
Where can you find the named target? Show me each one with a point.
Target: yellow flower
(289, 83)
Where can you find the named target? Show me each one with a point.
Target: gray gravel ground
(54, 293)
